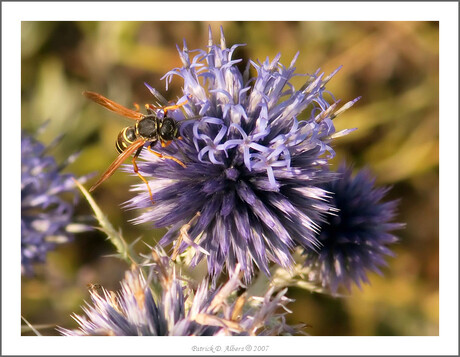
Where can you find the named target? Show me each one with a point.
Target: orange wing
(112, 106)
(118, 161)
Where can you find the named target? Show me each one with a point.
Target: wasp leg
(138, 109)
(172, 107)
(169, 107)
(165, 144)
(136, 170)
(163, 156)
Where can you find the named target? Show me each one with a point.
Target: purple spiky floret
(46, 212)
(256, 151)
(356, 239)
(177, 309)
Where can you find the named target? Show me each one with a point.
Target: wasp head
(169, 129)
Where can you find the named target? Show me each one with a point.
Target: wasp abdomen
(125, 138)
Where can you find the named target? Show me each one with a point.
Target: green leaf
(124, 250)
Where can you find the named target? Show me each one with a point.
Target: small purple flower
(356, 238)
(254, 169)
(46, 215)
(178, 310)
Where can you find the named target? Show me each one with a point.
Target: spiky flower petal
(253, 167)
(179, 310)
(356, 239)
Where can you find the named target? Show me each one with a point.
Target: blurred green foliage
(392, 65)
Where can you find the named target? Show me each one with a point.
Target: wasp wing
(118, 161)
(112, 106)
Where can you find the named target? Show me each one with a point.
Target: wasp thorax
(147, 127)
(168, 129)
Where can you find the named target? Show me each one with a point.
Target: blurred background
(392, 65)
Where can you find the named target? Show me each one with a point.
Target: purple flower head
(356, 238)
(46, 215)
(253, 168)
(176, 309)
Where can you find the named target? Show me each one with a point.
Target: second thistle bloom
(250, 192)
(356, 239)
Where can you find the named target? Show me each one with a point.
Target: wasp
(131, 140)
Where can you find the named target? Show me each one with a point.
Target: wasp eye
(168, 129)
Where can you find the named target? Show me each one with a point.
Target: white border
(230, 11)
(446, 13)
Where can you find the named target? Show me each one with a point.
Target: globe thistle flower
(253, 168)
(355, 239)
(179, 310)
(46, 214)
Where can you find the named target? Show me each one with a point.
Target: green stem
(115, 237)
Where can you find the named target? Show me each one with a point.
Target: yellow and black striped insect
(148, 128)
